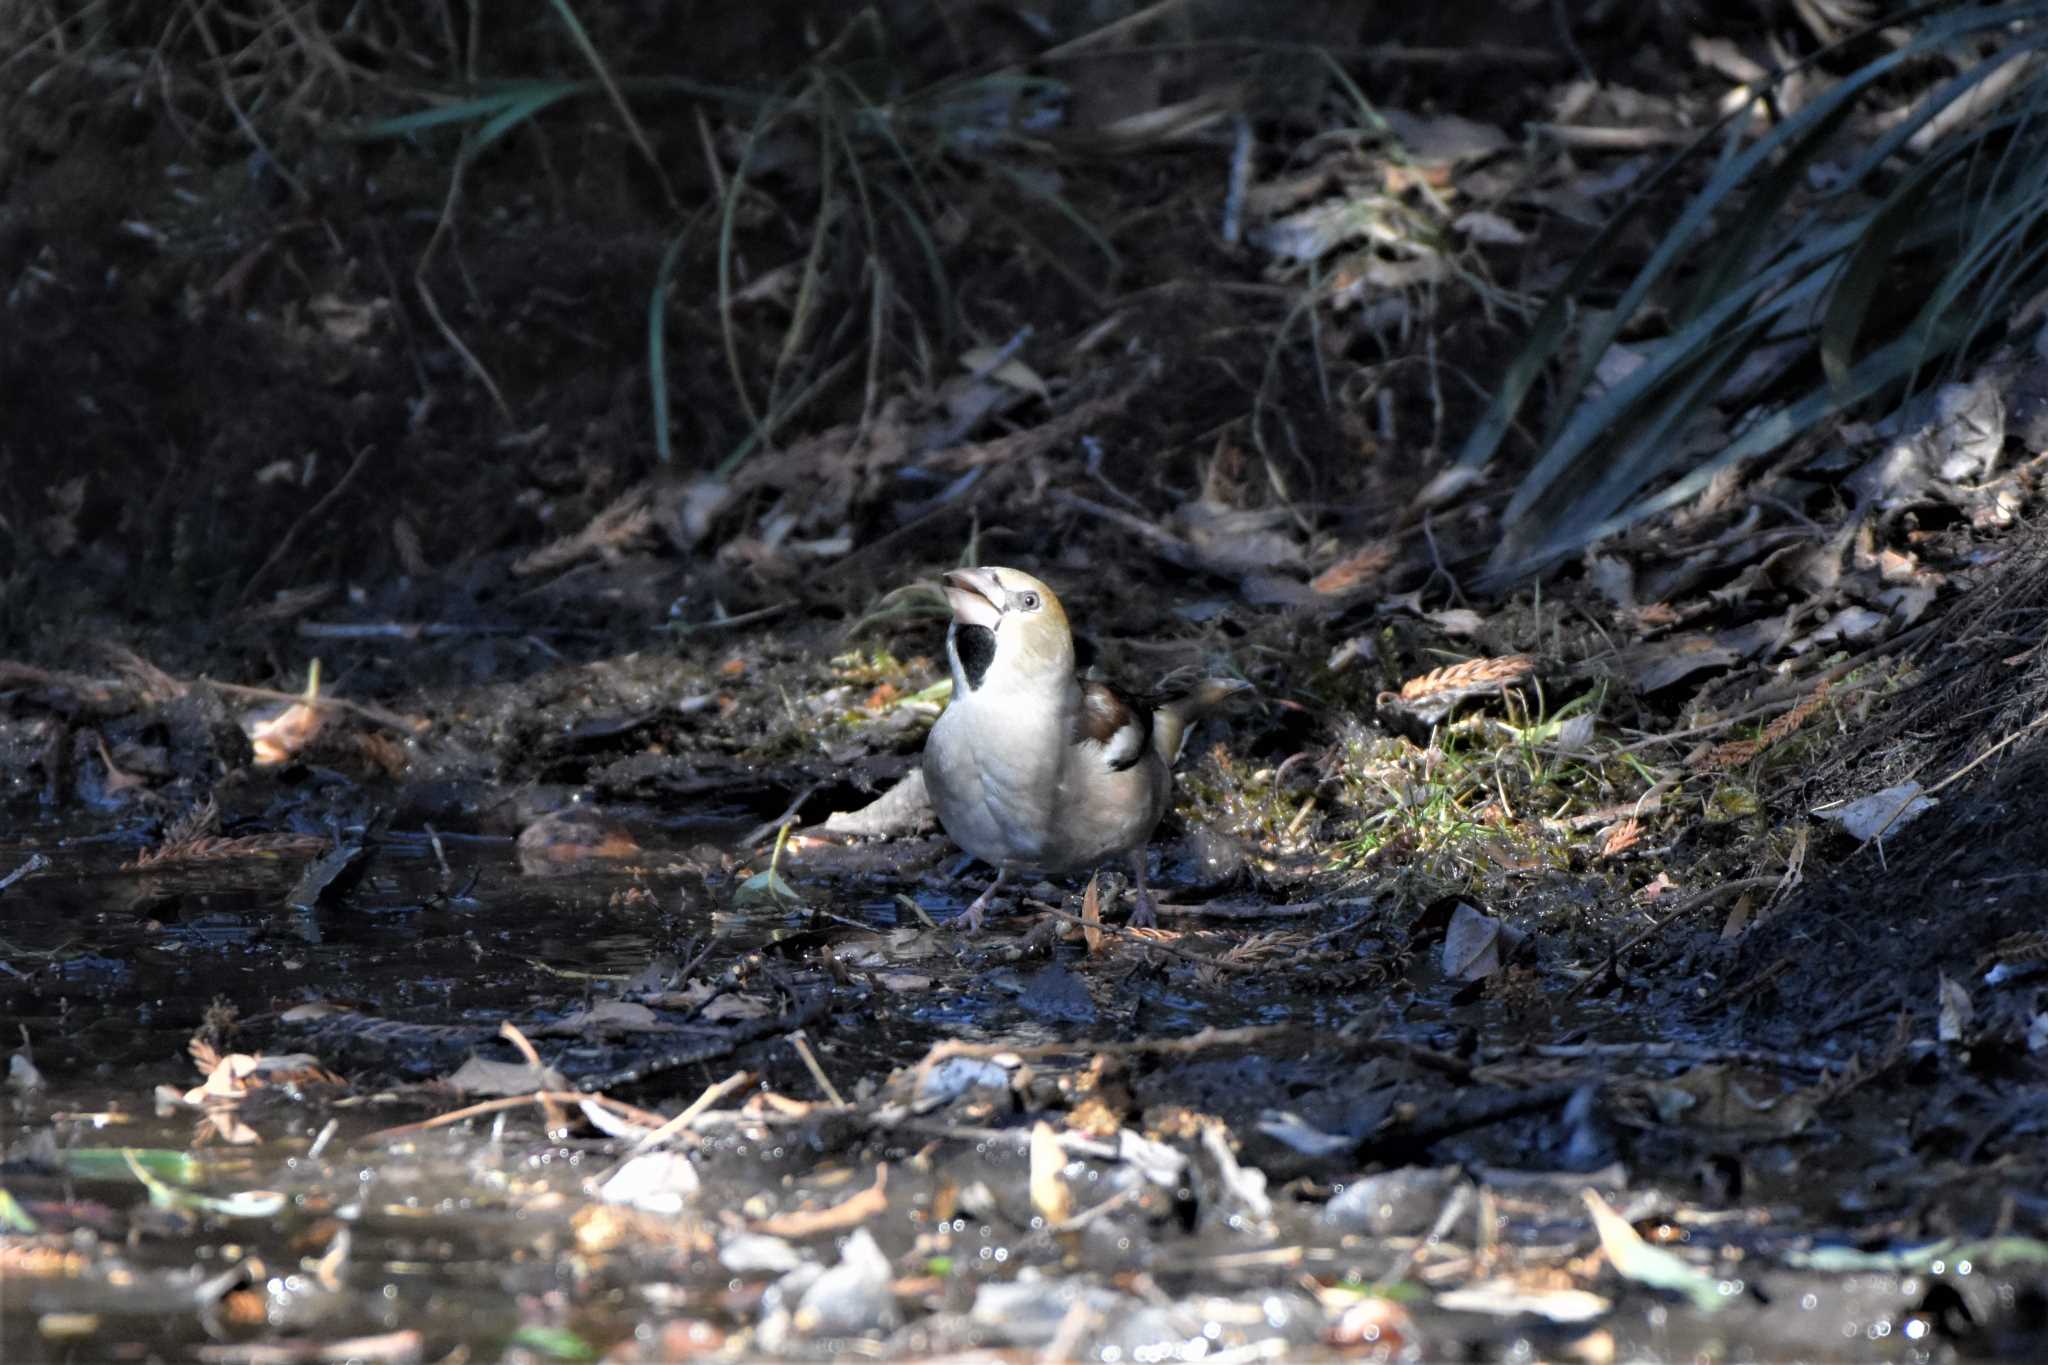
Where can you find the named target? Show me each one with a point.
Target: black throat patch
(975, 648)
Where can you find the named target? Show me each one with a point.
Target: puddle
(494, 1235)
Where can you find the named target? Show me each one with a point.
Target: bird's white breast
(993, 774)
(1013, 787)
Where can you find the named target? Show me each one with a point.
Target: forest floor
(443, 899)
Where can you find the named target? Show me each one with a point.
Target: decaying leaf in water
(1476, 945)
(565, 842)
(1635, 1259)
(481, 1076)
(1717, 1096)
(1505, 1299)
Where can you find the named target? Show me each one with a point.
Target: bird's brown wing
(1117, 721)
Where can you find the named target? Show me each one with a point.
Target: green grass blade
(657, 337)
(483, 107)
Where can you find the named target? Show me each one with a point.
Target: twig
(637, 1115)
(557, 1116)
(2020, 733)
(313, 514)
(802, 1045)
(1166, 545)
(713, 1093)
(788, 817)
(36, 863)
(411, 725)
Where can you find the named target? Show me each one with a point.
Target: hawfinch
(1034, 767)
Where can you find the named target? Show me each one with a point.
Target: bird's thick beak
(973, 595)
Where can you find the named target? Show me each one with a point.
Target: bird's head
(1008, 628)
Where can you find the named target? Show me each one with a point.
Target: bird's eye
(1028, 601)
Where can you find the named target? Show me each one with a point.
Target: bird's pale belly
(1021, 815)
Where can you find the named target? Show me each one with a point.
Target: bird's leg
(1141, 912)
(969, 921)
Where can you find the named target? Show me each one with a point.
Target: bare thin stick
(637, 1115)
(802, 1045)
(313, 514)
(713, 1093)
(411, 725)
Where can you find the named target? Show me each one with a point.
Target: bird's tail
(1171, 720)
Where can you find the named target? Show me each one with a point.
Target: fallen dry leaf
(1049, 1193)
(847, 1213)
(278, 738)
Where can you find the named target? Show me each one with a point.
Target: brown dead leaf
(283, 735)
(1095, 1117)
(1714, 1095)
(567, 841)
(871, 1202)
(727, 1007)
(234, 1075)
(1655, 616)
(381, 753)
(603, 1228)
(1738, 919)
(223, 1124)
(1091, 915)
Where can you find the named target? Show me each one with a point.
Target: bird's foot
(1141, 907)
(969, 920)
